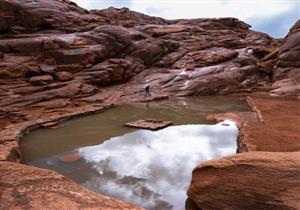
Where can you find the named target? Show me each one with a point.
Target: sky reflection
(153, 169)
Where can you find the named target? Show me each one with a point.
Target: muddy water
(151, 169)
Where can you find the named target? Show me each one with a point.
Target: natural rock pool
(150, 168)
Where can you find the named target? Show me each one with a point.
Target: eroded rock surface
(252, 180)
(86, 51)
(28, 187)
(287, 69)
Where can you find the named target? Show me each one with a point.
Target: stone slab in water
(150, 124)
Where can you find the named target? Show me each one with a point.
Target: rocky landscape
(58, 61)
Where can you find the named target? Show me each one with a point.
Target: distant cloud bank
(273, 17)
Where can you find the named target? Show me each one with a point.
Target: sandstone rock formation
(287, 69)
(101, 48)
(58, 60)
(252, 180)
(28, 187)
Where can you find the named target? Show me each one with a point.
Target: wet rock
(151, 124)
(41, 80)
(63, 76)
(69, 158)
(252, 180)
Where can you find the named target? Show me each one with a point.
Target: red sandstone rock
(63, 76)
(27, 187)
(73, 157)
(252, 180)
(49, 124)
(151, 124)
(287, 66)
(41, 80)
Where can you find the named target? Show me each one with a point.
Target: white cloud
(201, 9)
(261, 14)
(84, 4)
(242, 9)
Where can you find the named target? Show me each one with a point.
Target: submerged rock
(151, 124)
(73, 157)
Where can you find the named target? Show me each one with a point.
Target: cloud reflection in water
(153, 169)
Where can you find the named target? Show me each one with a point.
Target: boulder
(252, 180)
(63, 76)
(41, 80)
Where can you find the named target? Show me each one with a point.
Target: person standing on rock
(147, 90)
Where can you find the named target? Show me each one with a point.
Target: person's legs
(147, 91)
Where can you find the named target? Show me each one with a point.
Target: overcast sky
(273, 17)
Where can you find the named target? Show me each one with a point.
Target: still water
(149, 168)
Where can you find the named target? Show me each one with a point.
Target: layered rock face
(287, 69)
(54, 49)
